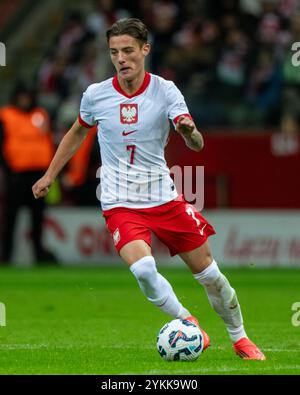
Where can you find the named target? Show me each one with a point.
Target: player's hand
(41, 187)
(185, 126)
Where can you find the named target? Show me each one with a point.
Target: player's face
(128, 56)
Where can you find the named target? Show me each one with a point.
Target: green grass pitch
(91, 320)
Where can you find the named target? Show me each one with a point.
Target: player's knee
(207, 260)
(213, 278)
(144, 269)
(210, 274)
(152, 284)
(204, 262)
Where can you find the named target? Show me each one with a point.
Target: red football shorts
(176, 223)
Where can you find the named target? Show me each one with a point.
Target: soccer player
(132, 112)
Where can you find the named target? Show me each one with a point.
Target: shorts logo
(116, 236)
(128, 113)
(202, 230)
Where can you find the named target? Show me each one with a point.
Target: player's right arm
(66, 149)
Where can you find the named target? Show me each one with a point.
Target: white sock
(223, 299)
(156, 288)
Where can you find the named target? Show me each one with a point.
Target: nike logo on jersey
(129, 132)
(202, 230)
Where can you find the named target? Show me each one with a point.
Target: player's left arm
(187, 128)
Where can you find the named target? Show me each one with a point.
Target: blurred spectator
(286, 143)
(105, 13)
(73, 36)
(80, 179)
(191, 64)
(26, 151)
(231, 66)
(165, 17)
(231, 75)
(287, 8)
(264, 90)
(54, 76)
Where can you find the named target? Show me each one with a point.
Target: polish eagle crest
(129, 113)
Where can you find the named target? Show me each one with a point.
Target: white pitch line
(28, 346)
(279, 350)
(212, 370)
(23, 346)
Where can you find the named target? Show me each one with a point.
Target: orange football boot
(206, 339)
(245, 349)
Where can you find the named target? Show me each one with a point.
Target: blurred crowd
(230, 58)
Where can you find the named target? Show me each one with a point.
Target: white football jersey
(132, 134)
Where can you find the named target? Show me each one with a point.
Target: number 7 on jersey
(132, 149)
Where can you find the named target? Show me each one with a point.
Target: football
(180, 340)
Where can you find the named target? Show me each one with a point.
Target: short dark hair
(131, 26)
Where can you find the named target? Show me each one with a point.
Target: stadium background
(233, 62)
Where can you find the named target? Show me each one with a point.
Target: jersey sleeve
(176, 104)
(85, 116)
